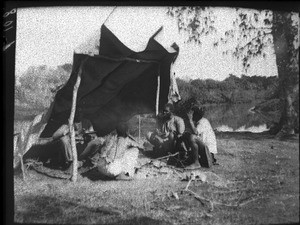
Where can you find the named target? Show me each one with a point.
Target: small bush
(38, 85)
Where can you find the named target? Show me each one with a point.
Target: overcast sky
(49, 36)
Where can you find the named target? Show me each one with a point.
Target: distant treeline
(231, 90)
(37, 86)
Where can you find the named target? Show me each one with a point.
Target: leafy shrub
(38, 85)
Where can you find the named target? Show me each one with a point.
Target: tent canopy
(115, 85)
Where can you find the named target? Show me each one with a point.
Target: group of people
(115, 155)
(198, 140)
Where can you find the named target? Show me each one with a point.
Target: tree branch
(249, 42)
(259, 28)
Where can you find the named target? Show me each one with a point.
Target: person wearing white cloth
(115, 156)
(202, 140)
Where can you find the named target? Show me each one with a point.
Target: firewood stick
(188, 184)
(168, 156)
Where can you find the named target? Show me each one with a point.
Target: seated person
(65, 157)
(202, 139)
(115, 156)
(170, 130)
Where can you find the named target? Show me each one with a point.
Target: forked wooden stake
(71, 125)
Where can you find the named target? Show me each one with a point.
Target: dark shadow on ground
(141, 221)
(94, 175)
(244, 135)
(255, 136)
(57, 208)
(57, 212)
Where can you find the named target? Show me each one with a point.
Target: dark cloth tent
(115, 85)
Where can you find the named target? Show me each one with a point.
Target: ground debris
(206, 214)
(160, 168)
(155, 169)
(205, 177)
(158, 164)
(143, 161)
(175, 195)
(174, 207)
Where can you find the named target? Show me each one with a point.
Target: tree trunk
(288, 73)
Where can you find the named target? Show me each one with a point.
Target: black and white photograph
(152, 114)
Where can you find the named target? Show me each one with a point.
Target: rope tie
(110, 14)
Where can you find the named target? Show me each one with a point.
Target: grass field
(263, 188)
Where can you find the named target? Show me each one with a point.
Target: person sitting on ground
(82, 128)
(202, 139)
(169, 132)
(115, 157)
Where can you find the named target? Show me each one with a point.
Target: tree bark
(288, 72)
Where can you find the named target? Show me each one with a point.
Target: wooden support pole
(23, 144)
(139, 128)
(157, 95)
(21, 153)
(71, 126)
